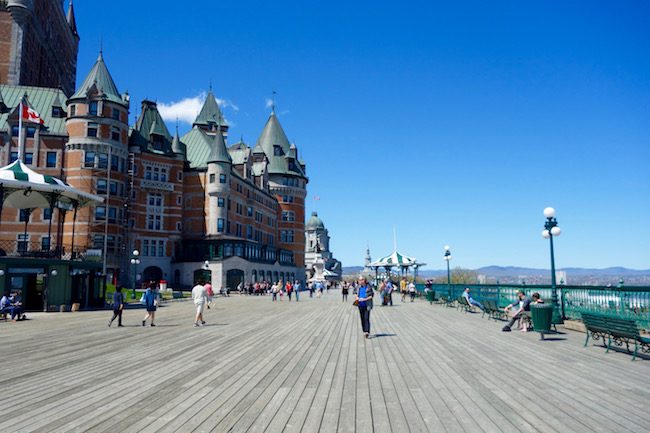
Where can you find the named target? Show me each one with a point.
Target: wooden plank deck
(261, 366)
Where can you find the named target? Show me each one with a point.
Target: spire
(219, 152)
(210, 112)
(177, 145)
(102, 80)
(72, 22)
(273, 135)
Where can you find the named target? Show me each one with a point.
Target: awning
(395, 260)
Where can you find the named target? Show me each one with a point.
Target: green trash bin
(542, 315)
(430, 294)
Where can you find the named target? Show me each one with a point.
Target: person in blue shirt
(118, 306)
(364, 302)
(471, 301)
(151, 304)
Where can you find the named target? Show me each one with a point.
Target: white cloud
(187, 109)
(184, 110)
(269, 103)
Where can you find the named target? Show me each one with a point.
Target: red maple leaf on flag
(31, 115)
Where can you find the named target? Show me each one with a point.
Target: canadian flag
(31, 115)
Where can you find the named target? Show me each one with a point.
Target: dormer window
(92, 108)
(57, 112)
(277, 150)
(157, 142)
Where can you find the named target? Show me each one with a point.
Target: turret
(21, 11)
(218, 184)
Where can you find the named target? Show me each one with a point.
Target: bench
(462, 303)
(493, 311)
(617, 329)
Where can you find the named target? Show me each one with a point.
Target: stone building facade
(317, 249)
(38, 44)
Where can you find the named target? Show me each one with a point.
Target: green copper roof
(178, 146)
(198, 145)
(314, 222)
(273, 135)
(40, 99)
(210, 112)
(150, 123)
(219, 151)
(101, 79)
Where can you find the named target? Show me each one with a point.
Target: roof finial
(101, 47)
(210, 84)
(273, 102)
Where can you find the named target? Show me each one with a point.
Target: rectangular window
(14, 131)
(73, 110)
(50, 159)
(45, 243)
(116, 114)
(222, 178)
(113, 188)
(101, 186)
(156, 173)
(31, 132)
(147, 173)
(100, 213)
(92, 108)
(92, 129)
(161, 248)
(287, 198)
(220, 224)
(288, 216)
(23, 242)
(115, 133)
(179, 200)
(221, 202)
(179, 176)
(13, 156)
(249, 211)
(163, 174)
(89, 159)
(145, 247)
(29, 158)
(249, 232)
(112, 214)
(23, 215)
(212, 177)
(47, 214)
(115, 163)
(57, 112)
(103, 160)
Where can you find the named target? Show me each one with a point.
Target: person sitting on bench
(524, 305)
(5, 305)
(470, 300)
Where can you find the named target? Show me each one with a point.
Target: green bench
(493, 311)
(462, 303)
(618, 330)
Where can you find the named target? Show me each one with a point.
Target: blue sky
(455, 122)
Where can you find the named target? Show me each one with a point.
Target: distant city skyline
(455, 123)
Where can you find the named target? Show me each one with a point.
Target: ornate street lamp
(135, 261)
(53, 273)
(552, 230)
(447, 258)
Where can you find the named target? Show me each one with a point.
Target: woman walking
(344, 291)
(150, 303)
(118, 306)
(364, 302)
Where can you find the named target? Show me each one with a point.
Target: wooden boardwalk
(261, 366)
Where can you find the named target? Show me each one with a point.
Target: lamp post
(135, 261)
(552, 230)
(447, 258)
(53, 273)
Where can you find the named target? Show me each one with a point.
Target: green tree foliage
(459, 276)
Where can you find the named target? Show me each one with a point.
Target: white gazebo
(23, 188)
(396, 260)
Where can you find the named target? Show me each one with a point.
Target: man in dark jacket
(524, 305)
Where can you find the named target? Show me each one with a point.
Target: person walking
(364, 302)
(200, 299)
(151, 303)
(118, 306)
(209, 293)
(412, 291)
(344, 292)
(274, 292)
(289, 288)
(296, 288)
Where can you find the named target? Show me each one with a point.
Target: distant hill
(515, 271)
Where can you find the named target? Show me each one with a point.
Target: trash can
(430, 294)
(541, 315)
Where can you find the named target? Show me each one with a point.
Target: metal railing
(625, 302)
(38, 250)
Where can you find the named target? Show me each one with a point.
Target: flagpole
(20, 131)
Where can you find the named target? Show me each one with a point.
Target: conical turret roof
(219, 151)
(178, 146)
(273, 135)
(210, 112)
(102, 80)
